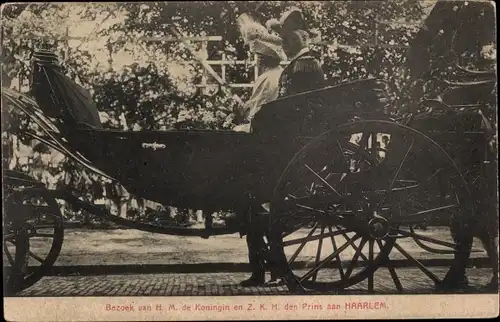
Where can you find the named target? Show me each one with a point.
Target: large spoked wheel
(33, 232)
(360, 197)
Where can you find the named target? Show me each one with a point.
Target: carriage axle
(378, 228)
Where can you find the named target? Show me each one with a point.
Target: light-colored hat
(291, 20)
(259, 39)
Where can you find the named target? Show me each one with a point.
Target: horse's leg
(495, 262)
(208, 215)
(463, 238)
(256, 251)
(209, 219)
(278, 262)
(490, 244)
(21, 261)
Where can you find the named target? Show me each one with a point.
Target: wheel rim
(37, 214)
(389, 194)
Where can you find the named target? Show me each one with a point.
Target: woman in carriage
(270, 54)
(269, 51)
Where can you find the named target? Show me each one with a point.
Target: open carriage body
(328, 161)
(199, 169)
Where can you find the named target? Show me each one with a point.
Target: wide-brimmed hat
(290, 20)
(259, 39)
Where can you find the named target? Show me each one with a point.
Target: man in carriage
(304, 72)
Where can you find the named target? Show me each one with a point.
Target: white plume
(249, 28)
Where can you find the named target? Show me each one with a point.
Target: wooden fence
(223, 62)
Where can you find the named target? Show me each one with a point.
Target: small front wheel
(33, 232)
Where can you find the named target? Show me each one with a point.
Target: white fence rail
(221, 78)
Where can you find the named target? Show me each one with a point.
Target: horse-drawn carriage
(331, 163)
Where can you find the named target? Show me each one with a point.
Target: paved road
(204, 284)
(135, 247)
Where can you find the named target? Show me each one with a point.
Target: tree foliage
(146, 91)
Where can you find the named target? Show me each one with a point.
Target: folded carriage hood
(59, 96)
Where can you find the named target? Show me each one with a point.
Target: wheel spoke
(424, 212)
(329, 258)
(374, 143)
(295, 229)
(395, 278)
(8, 254)
(395, 176)
(353, 245)
(312, 203)
(309, 208)
(36, 257)
(370, 259)
(419, 187)
(355, 258)
(297, 252)
(311, 238)
(415, 186)
(346, 166)
(391, 269)
(417, 204)
(424, 269)
(323, 180)
(318, 252)
(427, 239)
(363, 144)
(334, 244)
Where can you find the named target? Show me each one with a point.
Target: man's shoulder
(309, 55)
(306, 63)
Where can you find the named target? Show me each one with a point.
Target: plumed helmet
(291, 20)
(259, 39)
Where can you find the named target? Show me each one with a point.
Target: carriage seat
(321, 107)
(59, 96)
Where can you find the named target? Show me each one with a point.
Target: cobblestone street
(205, 284)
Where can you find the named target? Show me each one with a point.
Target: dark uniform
(257, 249)
(256, 255)
(303, 74)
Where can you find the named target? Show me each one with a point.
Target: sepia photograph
(220, 160)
